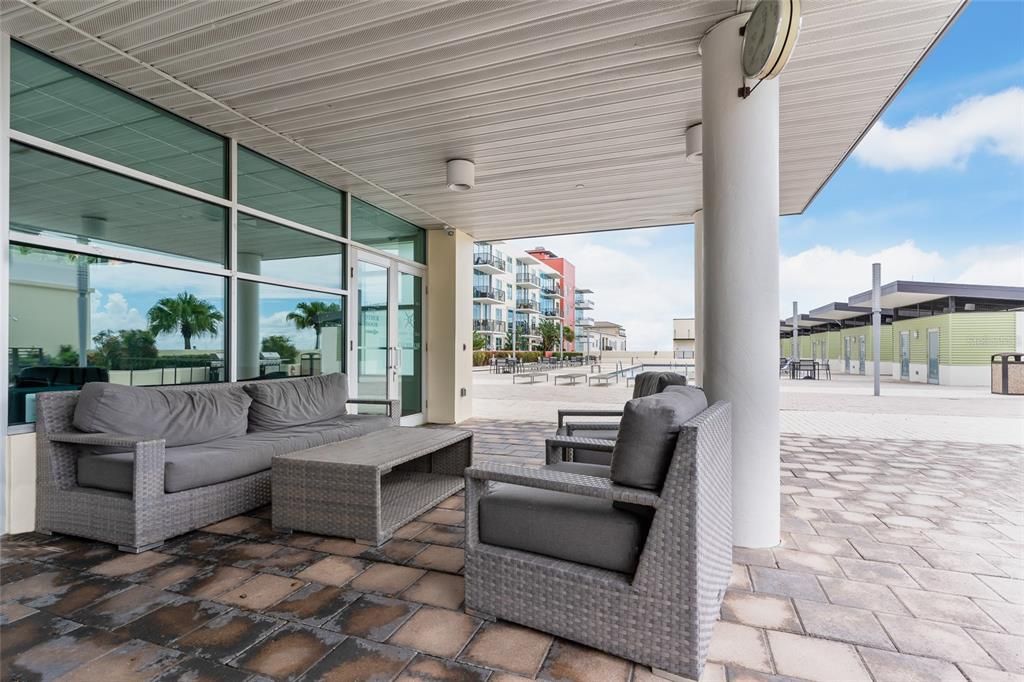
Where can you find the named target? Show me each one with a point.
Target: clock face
(760, 36)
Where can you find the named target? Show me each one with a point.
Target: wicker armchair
(145, 518)
(662, 615)
(647, 383)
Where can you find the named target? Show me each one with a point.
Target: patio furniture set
(621, 542)
(804, 369)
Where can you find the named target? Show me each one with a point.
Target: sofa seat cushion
(179, 416)
(648, 432)
(194, 466)
(279, 404)
(583, 530)
(582, 468)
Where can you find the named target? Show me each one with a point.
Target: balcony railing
(527, 304)
(482, 258)
(491, 326)
(525, 279)
(523, 329)
(585, 321)
(584, 303)
(550, 311)
(550, 290)
(493, 293)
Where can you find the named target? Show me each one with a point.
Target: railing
(527, 304)
(523, 329)
(585, 321)
(550, 311)
(527, 278)
(583, 302)
(493, 293)
(484, 258)
(550, 290)
(495, 326)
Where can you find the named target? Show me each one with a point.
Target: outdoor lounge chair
(647, 383)
(634, 564)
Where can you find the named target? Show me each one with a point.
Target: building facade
(607, 336)
(932, 332)
(684, 338)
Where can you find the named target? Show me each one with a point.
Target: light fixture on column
(461, 175)
(694, 143)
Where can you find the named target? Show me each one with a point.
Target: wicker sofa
(110, 469)
(648, 587)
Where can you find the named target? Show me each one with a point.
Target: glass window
(275, 188)
(410, 342)
(381, 230)
(75, 319)
(61, 104)
(265, 248)
(54, 196)
(286, 332)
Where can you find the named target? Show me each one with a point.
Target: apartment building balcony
(483, 294)
(489, 326)
(550, 311)
(584, 321)
(526, 280)
(550, 290)
(528, 330)
(528, 304)
(488, 262)
(584, 303)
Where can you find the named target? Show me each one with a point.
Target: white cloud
(991, 123)
(822, 274)
(114, 313)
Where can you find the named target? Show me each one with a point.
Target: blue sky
(936, 192)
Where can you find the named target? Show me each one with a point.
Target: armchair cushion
(648, 433)
(583, 530)
(291, 402)
(181, 417)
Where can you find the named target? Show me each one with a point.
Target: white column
(741, 268)
(876, 322)
(247, 309)
(449, 305)
(698, 297)
(795, 350)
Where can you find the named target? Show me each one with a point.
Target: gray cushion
(194, 466)
(575, 528)
(585, 469)
(182, 417)
(649, 383)
(291, 402)
(648, 433)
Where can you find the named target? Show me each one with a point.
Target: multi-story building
(684, 337)
(584, 321)
(509, 296)
(607, 336)
(558, 293)
(931, 332)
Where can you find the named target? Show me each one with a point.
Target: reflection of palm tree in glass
(314, 315)
(186, 314)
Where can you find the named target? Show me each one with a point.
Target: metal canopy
(574, 112)
(902, 293)
(842, 311)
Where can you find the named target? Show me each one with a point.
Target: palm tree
(314, 315)
(186, 314)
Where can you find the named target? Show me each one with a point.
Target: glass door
(933, 356)
(905, 356)
(389, 328)
(373, 334)
(862, 355)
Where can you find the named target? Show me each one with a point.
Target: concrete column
(248, 323)
(449, 327)
(741, 268)
(698, 296)
(876, 322)
(795, 354)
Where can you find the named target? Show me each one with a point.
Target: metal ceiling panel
(374, 96)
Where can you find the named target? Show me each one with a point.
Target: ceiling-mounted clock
(769, 37)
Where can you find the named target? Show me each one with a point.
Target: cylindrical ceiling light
(461, 175)
(694, 143)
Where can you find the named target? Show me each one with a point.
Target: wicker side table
(366, 488)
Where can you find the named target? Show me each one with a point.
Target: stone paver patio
(901, 560)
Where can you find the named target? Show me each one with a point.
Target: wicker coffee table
(366, 488)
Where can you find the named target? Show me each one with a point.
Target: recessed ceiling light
(580, 186)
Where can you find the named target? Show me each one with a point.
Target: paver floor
(900, 560)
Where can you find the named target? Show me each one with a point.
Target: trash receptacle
(1008, 373)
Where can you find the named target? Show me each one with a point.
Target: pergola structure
(575, 116)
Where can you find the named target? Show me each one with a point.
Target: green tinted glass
(54, 196)
(381, 230)
(274, 188)
(268, 249)
(61, 104)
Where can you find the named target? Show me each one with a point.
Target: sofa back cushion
(182, 417)
(649, 383)
(648, 433)
(291, 402)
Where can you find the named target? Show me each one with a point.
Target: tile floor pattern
(900, 560)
